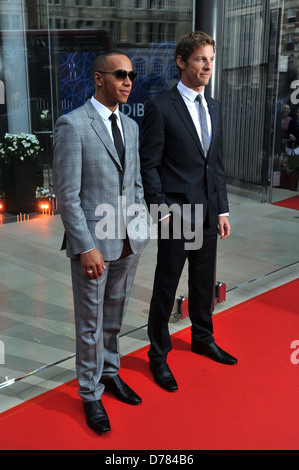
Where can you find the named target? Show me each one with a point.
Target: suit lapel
(182, 109)
(214, 118)
(99, 127)
(126, 129)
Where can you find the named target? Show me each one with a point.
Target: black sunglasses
(123, 74)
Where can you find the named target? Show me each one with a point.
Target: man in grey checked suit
(95, 185)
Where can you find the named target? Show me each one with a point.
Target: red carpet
(251, 405)
(290, 203)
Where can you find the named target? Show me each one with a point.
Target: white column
(15, 68)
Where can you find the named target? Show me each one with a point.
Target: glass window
(291, 15)
(46, 55)
(138, 33)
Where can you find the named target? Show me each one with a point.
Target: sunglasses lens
(132, 76)
(123, 74)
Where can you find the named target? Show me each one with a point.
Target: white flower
(19, 146)
(45, 114)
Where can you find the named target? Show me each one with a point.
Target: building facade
(47, 48)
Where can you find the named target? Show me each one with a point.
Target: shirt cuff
(83, 252)
(164, 217)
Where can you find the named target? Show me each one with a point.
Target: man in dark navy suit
(182, 165)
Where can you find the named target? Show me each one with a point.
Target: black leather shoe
(96, 416)
(214, 352)
(163, 376)
(121, 390)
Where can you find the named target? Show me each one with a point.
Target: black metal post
(209, 17)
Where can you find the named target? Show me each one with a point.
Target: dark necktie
(204, 125)
(118, 142)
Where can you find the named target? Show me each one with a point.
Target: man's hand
(92, 263)
(224, 227)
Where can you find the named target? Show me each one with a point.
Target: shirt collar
(188, 92)
(103, 110)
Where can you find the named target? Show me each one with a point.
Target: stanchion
(48, 212)
(22, 217)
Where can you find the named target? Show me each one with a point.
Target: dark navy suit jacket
(173, 166)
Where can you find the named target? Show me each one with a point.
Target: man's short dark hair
(100, 61)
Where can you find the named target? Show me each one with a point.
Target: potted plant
(45, 198)
(19, 161)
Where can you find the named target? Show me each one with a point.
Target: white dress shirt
(105, 113)
(189, 97)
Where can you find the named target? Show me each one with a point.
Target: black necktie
(118, 142)
(204, 125)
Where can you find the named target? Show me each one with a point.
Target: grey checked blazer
(88, 174)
